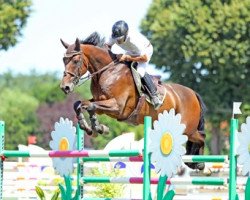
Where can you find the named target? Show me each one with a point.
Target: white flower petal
(180, 151)
(177, 159)
(245, 169)
(172, 166)
(181, 139)
(63, 128)
(171, 123)
(242, 149)
(243, 158)
(157, 167)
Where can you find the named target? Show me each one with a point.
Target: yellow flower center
(64, 144)
(166, 143)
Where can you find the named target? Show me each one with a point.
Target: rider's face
(120, 40)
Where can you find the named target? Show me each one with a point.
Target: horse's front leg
(81, 119)
(106, 106)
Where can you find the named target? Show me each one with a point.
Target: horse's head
(74, 66)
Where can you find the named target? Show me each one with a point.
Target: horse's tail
(201, 125)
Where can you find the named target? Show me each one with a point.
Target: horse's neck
(97, 57)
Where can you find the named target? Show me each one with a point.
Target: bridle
(77, 77)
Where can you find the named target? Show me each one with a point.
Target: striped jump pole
(69, 154)
(186, 159)
(173, 181)
(114, 159)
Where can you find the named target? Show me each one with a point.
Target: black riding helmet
(119, 29)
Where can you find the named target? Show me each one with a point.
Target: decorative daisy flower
(244, 147)
(166, 143)
(63, 139)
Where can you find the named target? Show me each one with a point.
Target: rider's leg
(146, 79)
(152, 90)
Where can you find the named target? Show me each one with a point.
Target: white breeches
(142, 66)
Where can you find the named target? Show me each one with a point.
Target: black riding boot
(152, 90)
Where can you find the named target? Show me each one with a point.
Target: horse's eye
(75, 61)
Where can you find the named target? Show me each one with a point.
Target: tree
(13, 17)
(205, 45)
(17, 110)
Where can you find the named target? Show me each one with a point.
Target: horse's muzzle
(67, 88)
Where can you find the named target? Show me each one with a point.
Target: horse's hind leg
(195, 146)
(96, 126)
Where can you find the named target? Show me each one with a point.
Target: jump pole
(80, 169)
(2, 127)
(146, 159)
(233, 160)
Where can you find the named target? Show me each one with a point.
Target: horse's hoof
(77, 106)
(207, 171)
(105, 129)
(83, 127)
(94, 134)
(181, 171)
(200, 166)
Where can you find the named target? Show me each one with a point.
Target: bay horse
(114, 93)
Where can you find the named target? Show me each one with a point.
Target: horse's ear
(77, 44)
(66, 45)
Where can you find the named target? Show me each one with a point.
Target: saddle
(143, 94)
(142, 90)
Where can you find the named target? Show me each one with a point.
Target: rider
(137, 49)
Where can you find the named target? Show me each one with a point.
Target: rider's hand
(125, 58)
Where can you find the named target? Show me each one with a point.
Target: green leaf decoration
(66, 193)
(67, 180)
(76, 195)
(161, 187)
(170, 195)
(56, 195)
(40, 193)
(63, 192)
(150, 196)
(247, 189)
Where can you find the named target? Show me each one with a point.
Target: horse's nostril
(67, 88)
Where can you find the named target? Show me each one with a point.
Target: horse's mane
(94, 39)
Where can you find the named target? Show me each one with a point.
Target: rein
(85, 79)
(78, 79)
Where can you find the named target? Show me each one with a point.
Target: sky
(40, 48)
